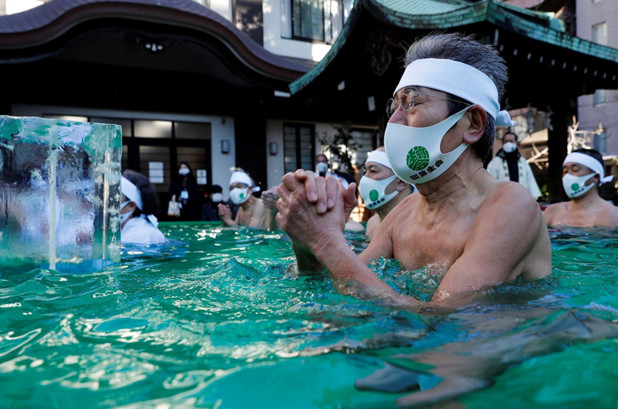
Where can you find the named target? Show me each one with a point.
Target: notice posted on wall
(201, 177)
(155, 172)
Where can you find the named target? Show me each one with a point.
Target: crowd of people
(433, 201)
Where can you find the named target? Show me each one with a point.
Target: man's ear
(401, 185)
(477, 117)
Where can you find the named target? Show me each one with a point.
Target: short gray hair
(465, 49)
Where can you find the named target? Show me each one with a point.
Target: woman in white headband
(139, 205)
(381, 189)
(583, 171)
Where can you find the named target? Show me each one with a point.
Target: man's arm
(225, 214)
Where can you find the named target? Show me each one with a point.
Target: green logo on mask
(374, 195)
(418, 158)
(574, 187)
(242, 195)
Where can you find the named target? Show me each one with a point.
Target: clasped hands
(311, 206)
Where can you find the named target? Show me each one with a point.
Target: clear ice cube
(59, 193)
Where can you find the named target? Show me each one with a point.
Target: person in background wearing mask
(251, 211)
(441, 128)
(583, 171)
(140, 203)
(381, 189)
(508, 164)
(322, 169)
(185, 188)
(210, 208)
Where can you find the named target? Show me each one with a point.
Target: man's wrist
(327, 242)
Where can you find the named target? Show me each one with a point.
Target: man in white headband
(441, 129)
(140, 203)
(251, 210)
(381, 189)
(583, 171)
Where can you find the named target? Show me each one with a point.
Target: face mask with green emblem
(373, 191)
(239, 195)
(414, 153)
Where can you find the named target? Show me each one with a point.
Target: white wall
(590, 116)
(223, 7)
(274, 164)
(221, 128)
(273, 21)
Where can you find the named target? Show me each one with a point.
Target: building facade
(265, 84)
(597, 21)
(239, 121)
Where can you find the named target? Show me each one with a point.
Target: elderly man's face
(421, 107)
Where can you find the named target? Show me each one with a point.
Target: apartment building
(597, 21)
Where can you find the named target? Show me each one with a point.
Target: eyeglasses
(407, 99)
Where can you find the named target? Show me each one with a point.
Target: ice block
(59, 193)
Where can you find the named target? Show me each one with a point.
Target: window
(310, 20)
(298, 147)
(599, 33)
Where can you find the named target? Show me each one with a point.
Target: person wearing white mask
(583, 171)
(508, 164)
(251, 211)
(441, 128)
(381, 189)
(140, 203)
(322, 169)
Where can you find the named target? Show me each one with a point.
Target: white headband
(458, 79)
(587, 161)
(241, 177)
(131, 192)
(379, 157)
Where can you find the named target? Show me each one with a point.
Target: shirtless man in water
(583, 170)
(251, 212)
(479, 232)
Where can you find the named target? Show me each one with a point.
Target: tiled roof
(444, 14)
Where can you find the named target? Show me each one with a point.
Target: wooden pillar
(563, 108)
(250, 138)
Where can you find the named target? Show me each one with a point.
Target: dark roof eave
(51, 20)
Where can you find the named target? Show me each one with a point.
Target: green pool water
(213, 320)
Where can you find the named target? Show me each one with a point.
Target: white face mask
(575, 186)
(372, 191)
(414, 153)
(321, 167)
(509, 147)
(183, 171)
(217, 197)
(124, 216)
(239, 195)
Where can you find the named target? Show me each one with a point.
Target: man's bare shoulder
(403, 210)
(510, 198)
(608, 215)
